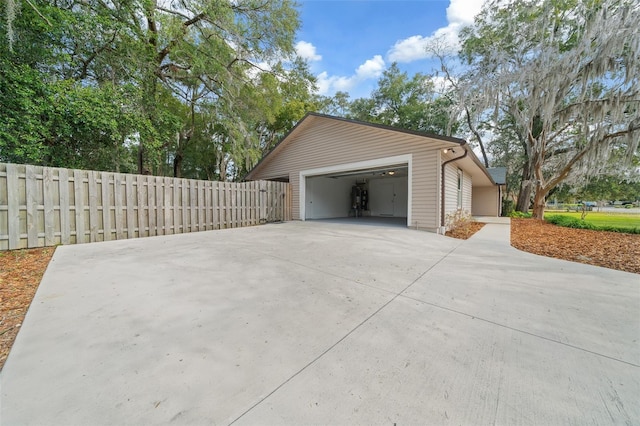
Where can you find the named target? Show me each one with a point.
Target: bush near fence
(45, 206)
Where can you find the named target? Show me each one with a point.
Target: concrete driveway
(324, 323)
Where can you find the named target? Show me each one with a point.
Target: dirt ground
(20, 275)
(22, 270)
(612, 250)
(466, 231)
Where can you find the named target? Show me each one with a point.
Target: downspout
(451, 160)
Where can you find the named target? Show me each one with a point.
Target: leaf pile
(20, 275)
(612, 250)
(466, 231)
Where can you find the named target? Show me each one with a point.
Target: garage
(380, 192)
(341, 168)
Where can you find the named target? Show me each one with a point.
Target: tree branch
(38, 12)
(477, 135)
(567, 168)
(93, 56)
(173, 12)
(185, 26)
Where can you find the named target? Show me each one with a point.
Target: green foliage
(401, 101)
(557, 83)
(148, 86)
(22, 132)
(520, 215)
(63, 123)
(569, 221)
(602, 188)
(508, 207)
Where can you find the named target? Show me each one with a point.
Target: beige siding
(485, 201)
(451, 190)
(467, 188)
(322, 142)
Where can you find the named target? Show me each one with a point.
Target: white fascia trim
(378, 162)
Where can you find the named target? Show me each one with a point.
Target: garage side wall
(324, 143)
(451, 202)
(486, 201)
(467, 193)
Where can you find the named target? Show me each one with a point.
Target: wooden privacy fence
(44, 206)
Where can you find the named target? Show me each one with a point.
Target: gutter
(451, 160)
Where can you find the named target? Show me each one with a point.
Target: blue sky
(349, 43)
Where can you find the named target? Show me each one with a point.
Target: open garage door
(374, 192)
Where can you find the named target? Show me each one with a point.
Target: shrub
(569, 222)
(508, 207)
(572, 222)
(459, 219)
(520, 215)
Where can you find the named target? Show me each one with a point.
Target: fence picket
(222, 205)
(93, 207)
(32, 206)
(141, 204)
(106, 205)
(175, 187)
(130, 206)
(200, 206)
(48, 186)
(78, 198)
(117, 202)
(13, 207)
(65, 208)
(183, 209)
(168, 211)
(151, 197)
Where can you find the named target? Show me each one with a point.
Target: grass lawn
(620, 220)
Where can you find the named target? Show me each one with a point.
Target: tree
(168, 66)
(409, 103)
(338, 105)
(566, 73)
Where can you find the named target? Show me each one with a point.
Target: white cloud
(463, 11)
(460, 14)
(410, 49)
(307, 51)
(370, 69)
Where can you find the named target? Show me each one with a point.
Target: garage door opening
(375, 195)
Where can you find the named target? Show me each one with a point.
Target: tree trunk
(177, 165)
(526, 187)
(539, 201)
(141, 169)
